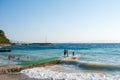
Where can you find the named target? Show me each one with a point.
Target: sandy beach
(15, 76)
(11, 72)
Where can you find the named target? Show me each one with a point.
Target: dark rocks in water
(10, 69)
(17, 68)
(5, 50)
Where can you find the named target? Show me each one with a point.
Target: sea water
(93, 56)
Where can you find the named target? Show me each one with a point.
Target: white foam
(43, 73)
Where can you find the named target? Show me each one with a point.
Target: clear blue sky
(61, 20)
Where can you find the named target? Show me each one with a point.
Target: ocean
(97, 57)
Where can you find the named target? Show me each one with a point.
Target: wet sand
(15, 76)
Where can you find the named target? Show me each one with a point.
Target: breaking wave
(45, 74)
(91, 65)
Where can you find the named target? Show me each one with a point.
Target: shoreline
(57, 75)
(4, 45)
(44, 71)
(48, 74)
(11, 68)
(12, 72)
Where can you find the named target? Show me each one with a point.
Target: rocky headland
(4, 41)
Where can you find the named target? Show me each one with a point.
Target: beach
(15, 76)
(59, 40)
(12, 72)
(63, 72)
(45, 73)
(91, 62)
(53, 70)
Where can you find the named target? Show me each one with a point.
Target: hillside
(3, 38)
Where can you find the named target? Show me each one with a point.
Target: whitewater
(68, 69)
(47, 74)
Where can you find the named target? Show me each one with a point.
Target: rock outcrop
(3, 38)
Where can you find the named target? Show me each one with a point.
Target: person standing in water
(73, 53)
(65, 53)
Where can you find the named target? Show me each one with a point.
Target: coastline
(17, 68)
(57, 72)
(3, 45)
(12, 72)
(47, 71)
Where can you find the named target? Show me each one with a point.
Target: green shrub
(3, 38)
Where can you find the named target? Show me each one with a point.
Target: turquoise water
(105, 55)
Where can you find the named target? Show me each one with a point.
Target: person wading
(65, 53)
(73, 53)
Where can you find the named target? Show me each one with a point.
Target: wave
(91, 66)
(46, 74)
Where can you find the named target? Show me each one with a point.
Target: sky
(61, 20)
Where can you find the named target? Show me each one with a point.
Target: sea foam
(43, 73)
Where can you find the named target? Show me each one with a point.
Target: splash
(43, 73)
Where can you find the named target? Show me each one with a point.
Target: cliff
(3, 38)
